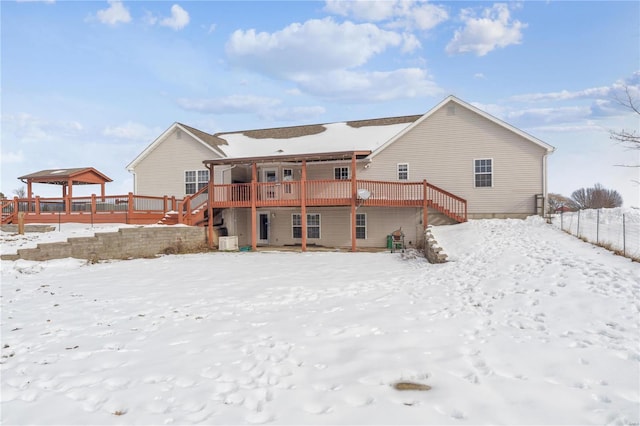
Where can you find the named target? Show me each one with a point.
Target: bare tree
(628, 138)
(596, 198)
(20, 192)
(560, 202)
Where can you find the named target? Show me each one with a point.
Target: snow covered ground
(525, 325)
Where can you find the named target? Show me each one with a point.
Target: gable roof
(84, 176)
(478, 111)
(211, 142)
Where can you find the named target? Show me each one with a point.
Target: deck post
(69, 196)
(102, 192)
(93, 204)
(425, 206)
(354, 196)
(254, 216)
(303, 205)
(130, 205)
(37, 204)
(29, 194)
(210, 207)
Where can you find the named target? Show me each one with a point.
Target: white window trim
(493, 169)
(365, 226)
(314, 226)
(283, 175)
(196, 182)
(342, 167)
(398, 171)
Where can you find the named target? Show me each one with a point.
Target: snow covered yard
(525, 324)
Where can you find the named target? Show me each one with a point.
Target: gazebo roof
(78, 176)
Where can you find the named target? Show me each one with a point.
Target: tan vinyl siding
(161, 172)
(442, 150)
(335, 228)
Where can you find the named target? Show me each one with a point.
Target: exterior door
(270, 175)
(263, 228)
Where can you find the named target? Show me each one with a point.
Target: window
(195, 180)
(361, 226)
(287, 175)
(483, 171)
(313, 225)
(403, 171)
(341, 173)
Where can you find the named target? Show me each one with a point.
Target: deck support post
(354, 199)
(210, 207)
(254, 216)
(303, 204)
(425, 206)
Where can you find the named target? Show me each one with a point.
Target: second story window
(341, 173)
(403, 171)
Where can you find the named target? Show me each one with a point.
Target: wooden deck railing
(132, 208)
(338, 193)
(128, 208)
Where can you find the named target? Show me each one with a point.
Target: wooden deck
(139, 209)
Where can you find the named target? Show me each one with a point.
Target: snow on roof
(334, 137)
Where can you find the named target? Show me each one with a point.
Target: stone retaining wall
(126, 243)
(432, 251)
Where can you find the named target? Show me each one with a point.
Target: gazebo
(66, 178)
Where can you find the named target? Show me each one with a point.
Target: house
(350, 183)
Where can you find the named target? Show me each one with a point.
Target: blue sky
(93, 83)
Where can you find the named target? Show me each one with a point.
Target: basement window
(313, 225)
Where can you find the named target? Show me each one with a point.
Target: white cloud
(212, 28)
(377, 86)
(608, 93)
(233, 104)
(406, 14)
(268, 108)
(178, 20)
(131, 131)
(27, 128)
(317, 46)
(480, 35)
(479, 76)
(115, 14)
(12, 157)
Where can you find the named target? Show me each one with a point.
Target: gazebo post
(29, 194)
(102, 192)
(69, 195)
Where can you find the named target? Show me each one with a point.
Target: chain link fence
(615, 229)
